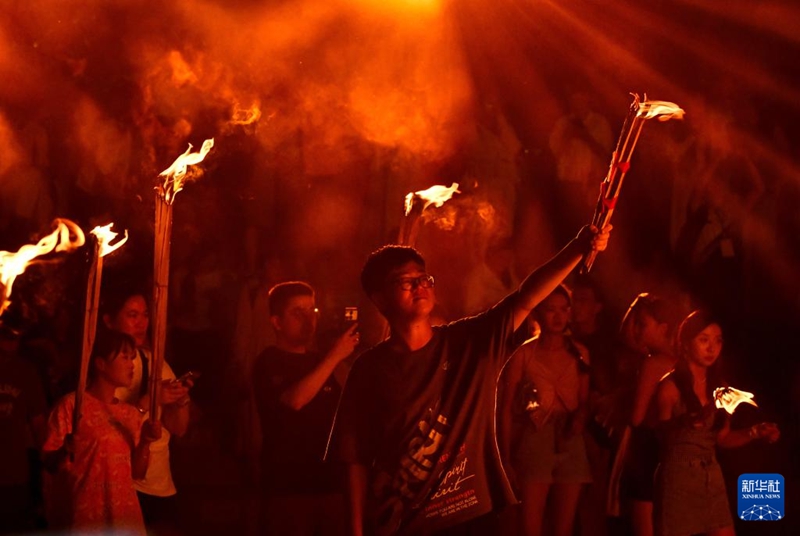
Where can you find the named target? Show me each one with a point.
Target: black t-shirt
(294, 441)
(423, 423)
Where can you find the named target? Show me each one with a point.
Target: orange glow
(436, 195)
(413, 90)
(729, 398)
(105, 236)
(181, 71)
(176, 175)
(246, 116)
(66, 237)
(411, 8)
(12, 152)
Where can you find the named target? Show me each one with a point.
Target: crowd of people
(532, 417)
(537, 413)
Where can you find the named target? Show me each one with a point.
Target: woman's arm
(53, 459)
(667, 397)
(730, 439)
(646, 383)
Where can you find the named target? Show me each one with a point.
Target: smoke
(344, 73)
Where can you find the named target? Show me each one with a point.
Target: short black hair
(280, 294)
(382, 261)
(587, 281)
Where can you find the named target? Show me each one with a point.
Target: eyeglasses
(410, 283)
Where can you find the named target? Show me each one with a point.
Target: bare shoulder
(668, 391)
(656, 366)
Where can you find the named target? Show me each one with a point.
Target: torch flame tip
(105, 236)
(175, 175)
(729, 398)
(66, 237)
(436, 195)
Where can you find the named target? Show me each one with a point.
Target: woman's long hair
(691, 326)
(571, 347)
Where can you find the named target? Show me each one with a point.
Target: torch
(640, 111)
(175, 177)
(415, 205)
(102, 247)
(728, 398)
(66, 237)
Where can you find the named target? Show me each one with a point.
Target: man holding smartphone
(297, 396)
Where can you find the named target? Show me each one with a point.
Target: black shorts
(638, 475)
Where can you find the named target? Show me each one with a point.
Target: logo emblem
(761, 497)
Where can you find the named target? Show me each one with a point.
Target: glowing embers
(246, 116)
(66, 237)
(729, 398)
(175, 175)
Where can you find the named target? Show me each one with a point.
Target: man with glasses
(297, 395)
(415, 427)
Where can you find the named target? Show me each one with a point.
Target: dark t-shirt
(423, 423)
(294, 441)
(21, 400)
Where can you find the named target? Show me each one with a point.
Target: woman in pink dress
(92, 488)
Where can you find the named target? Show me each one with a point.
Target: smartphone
(191, 375)
(351, 314)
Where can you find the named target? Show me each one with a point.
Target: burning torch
(175, 177)
(66, 237)
(728, 398)
(102, 246)
(415, 205)
(640, 111)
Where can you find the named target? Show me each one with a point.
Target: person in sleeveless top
(546, 454)
(690, 496)
(654, 322)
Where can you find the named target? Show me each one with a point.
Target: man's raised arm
(543, 280)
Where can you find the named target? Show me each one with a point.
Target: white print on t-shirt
(418, 463)
(453, 479)
(416, 468)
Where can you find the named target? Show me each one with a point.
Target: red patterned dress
(95, 491)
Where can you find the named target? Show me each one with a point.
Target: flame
(105, 236)
(435, 195)
(729, 398)
(66, 237)
(663, 110)
(246, 116)
(175, 175)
